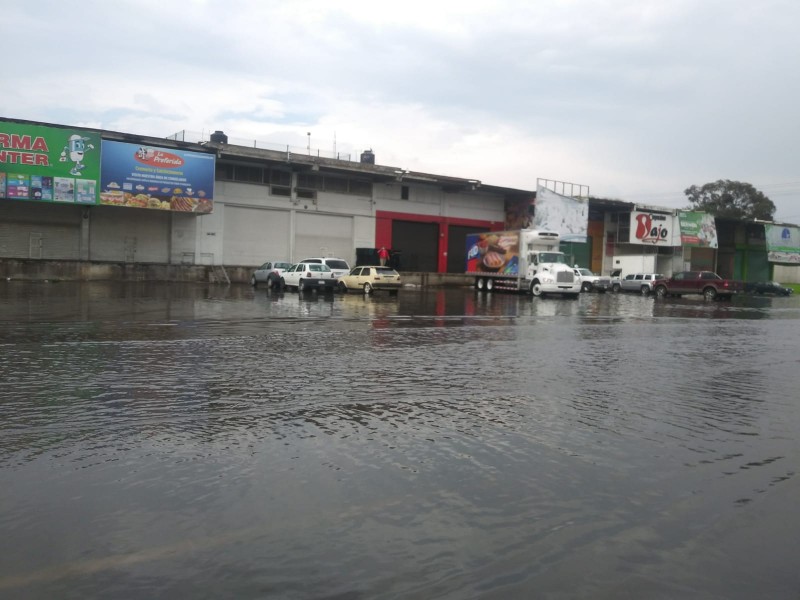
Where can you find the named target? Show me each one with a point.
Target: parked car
(591, 281)
(368, 279)
(270, 273)
(707, 283)
(306, 276)
(339, 266)
(637, 282)
(768, 287)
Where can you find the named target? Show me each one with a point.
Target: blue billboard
(141, 176)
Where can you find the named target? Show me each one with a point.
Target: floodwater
(164, 441)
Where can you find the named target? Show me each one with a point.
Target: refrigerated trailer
(520, 260)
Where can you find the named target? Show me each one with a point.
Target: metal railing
(197, 137)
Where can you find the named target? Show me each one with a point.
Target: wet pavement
(167, 441)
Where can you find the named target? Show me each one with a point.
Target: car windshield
(281, 265)
(318, 268)
(385, 271)
(585, 272)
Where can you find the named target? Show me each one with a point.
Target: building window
(224, 172)
(336, 185)
(623, 227)
(308, 194)
(277, 190)
(278, 177)
(309, 181)
(404, 192)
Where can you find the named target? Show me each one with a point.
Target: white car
(592, 282)
(339, 266)
(307, 276)
(270, 273)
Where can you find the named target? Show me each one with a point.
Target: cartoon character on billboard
(76, 149)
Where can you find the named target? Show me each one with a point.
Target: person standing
(383, 254)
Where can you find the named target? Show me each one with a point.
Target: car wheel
(301, 287)
(709, 293)
(367, 288)
(615, 287)
(342, 287)
(536, 289)
(253, 281)
(661, 291)
(586, 287)
(489, 285)
(645, 290)
(282, 284)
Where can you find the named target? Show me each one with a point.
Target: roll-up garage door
(254, 235)
(457, 247)
(324, 235)
(135, 235)
(40, 230)
(417, 245)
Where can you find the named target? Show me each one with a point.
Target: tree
(731, 200)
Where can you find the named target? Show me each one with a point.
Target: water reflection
(201, 441)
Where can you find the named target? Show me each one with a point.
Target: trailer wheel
(536, 289)
(489, 285)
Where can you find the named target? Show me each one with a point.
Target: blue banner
(141, 176)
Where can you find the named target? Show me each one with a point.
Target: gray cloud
(637, 99)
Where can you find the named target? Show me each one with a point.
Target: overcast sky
(636, 99)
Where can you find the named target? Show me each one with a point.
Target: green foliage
(731, 200)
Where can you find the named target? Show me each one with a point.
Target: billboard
(698, 229)
(564, 215)
(653, 229)
(141, 176)
(48, 164)
(783, 243)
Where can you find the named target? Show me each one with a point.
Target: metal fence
(200, 137)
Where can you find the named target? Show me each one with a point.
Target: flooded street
(166, 441)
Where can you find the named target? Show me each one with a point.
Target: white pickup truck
(590, 282)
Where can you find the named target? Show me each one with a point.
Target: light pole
(309, 143)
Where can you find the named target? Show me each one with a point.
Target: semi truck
(520, 260)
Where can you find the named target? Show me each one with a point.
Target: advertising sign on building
(496, 252)
(564, 215)
(783, 243)
(48, 164)
(653, 229)
(140, 176)
(698, 229)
